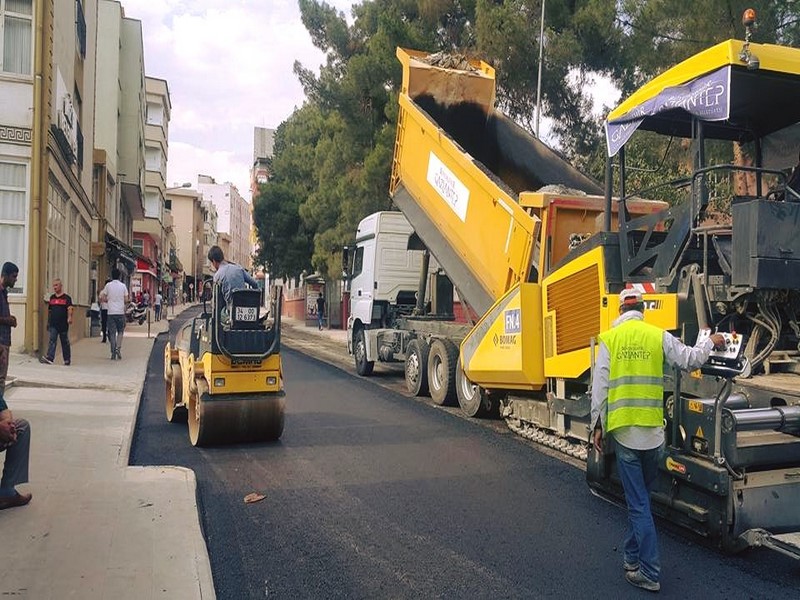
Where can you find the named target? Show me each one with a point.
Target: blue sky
(228, 64)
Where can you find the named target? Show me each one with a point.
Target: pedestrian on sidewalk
(628, 405)
(59, 318)
(104, 315)
(116, 294)
(8, 278)
(157, 304)
(320, 310)
(15, 434)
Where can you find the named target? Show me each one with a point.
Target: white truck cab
(384, 274)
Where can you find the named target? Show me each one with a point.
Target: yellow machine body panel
(481, 222)
(504, 350)
(577, 308)
(245, 378)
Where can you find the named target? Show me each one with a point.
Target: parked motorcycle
(135, 312)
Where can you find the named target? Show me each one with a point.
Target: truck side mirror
(345, 263)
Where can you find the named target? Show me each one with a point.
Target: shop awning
(117, 249)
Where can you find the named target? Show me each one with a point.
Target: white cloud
(187, 161)
(229, 66)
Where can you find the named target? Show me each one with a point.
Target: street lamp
(539, 77)
(198, 270)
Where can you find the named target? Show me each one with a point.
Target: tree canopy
(332, 158)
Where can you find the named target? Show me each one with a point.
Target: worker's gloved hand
(718, 340)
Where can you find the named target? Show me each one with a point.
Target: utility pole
(539, 78)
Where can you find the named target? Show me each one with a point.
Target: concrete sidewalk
(97, 528)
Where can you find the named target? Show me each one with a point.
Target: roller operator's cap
(630, 297)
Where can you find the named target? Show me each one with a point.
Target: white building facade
(233, 218)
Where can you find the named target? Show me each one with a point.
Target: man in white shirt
(116, 295)
(157, 303)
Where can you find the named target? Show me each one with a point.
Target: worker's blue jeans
(638, 470)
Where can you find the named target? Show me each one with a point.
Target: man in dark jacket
(8, 277)
(15, 434)
(59, 318)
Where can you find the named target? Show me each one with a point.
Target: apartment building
(150, 237)
(189, 217)
(263, 149)
(72, 152)
(210, 235)
(47, 91)
(119, 143)
(234, 218)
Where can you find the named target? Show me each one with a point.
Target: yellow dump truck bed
(459, 166)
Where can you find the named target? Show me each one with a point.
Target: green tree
(285, 243)
(333, 162)
(356, 95)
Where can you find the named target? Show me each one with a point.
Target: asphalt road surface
(370, 494)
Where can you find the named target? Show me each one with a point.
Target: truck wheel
(442, 362)
(417, 367)
(473, 399)
(363, 366)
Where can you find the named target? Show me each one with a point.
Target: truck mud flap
(787, 544)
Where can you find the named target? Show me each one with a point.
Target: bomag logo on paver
(676, 467)
(504, 340)
(511, 327)
(652, 304)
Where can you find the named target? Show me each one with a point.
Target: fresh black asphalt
(372, 495)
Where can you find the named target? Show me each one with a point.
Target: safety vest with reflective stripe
(636, 378)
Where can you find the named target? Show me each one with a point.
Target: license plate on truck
(246, 313)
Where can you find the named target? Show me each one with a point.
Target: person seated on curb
(229, 276)
(15, 440)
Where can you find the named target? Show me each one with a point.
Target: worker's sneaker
(630, 566)
(44, 360)
(641, 581)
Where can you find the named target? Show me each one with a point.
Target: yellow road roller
(223, 372)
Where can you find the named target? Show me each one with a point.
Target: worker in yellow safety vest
(628, 404)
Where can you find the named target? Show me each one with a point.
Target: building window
(68, 235)
(17, 34)
(152, 205)
(80, 27)
(153, 160)
(13, 208)
(84, 290)
(57, 232)
(155, 114)
(138, 246)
